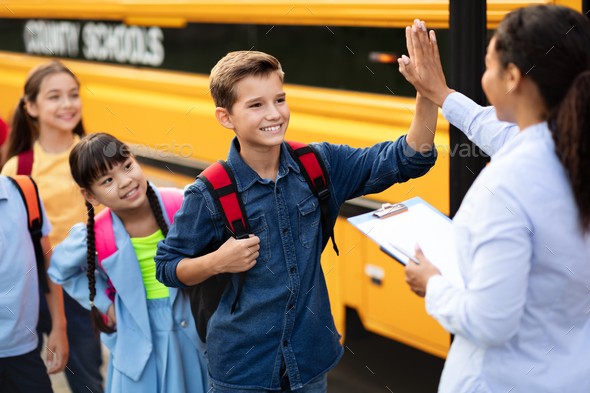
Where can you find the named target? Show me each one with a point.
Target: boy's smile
(260, 115)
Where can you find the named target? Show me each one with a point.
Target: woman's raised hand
(423, 68)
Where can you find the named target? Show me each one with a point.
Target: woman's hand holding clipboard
(418, 273)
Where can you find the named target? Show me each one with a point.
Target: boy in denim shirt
(282, 334)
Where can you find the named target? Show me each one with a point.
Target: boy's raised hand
(236, 256)
(423, 68)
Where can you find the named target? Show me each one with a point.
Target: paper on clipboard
(425, 226)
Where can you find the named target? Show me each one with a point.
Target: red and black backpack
(220, 182)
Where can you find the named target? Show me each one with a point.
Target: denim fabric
(284, 309)
(318, 385)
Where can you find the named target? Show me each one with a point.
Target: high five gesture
(423, 68)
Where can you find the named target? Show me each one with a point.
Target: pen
(401, 250)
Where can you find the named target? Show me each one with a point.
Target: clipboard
(420, 223)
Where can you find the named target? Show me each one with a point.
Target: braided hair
(156, 209)
(98, 320)
(93, 156)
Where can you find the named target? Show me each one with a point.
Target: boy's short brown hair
(236, 66)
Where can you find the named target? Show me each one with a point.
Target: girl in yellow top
(48, 120)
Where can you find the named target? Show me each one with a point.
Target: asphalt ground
(373, 363)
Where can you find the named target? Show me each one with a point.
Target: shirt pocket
(259, 228)
(309, 220)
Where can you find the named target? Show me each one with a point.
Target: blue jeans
(85, 351)
(318, 385)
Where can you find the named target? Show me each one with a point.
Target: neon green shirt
(145, 249)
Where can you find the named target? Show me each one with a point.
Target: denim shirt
(284, 308)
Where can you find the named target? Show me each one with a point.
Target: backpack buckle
(35, 230)
(36, 233)
(324, 194)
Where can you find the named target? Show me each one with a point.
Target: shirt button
(286, 230)
(292, 270)
(285, 343)
(183, 324)
(278, 191)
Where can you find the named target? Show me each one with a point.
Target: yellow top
(60, 194)
(145, 249)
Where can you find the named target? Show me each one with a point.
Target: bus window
(335, 57)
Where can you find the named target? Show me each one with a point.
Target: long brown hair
(551, 45)
(25, 129)
(92, 157)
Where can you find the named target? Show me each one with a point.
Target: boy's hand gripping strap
(222, 186)
(30, 195)
(315, 173)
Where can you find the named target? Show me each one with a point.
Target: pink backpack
(105, 236)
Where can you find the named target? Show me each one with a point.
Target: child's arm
(234, 256)
(421, 134)
(57, 343)
(69, 269)
(199, 231)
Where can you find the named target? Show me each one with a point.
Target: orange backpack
(30, 195)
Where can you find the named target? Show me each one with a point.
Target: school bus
(143, 67)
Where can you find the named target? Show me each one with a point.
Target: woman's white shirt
(521, 324)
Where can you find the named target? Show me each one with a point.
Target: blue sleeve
(68, 268)
(360, 171)
(479, 123)
(196, 231)
(47, 227)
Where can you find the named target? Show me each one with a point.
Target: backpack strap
(172, 199)
(30, 195)
(25, 163)
(104, 235)
(312, 166)
(222, 186)
(104, 239)
(3, 131)
(221, 183)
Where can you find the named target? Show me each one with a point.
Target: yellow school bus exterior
(143, 68)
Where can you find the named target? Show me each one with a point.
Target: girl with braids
(523, 229)
(149, 329)
(46, 124)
